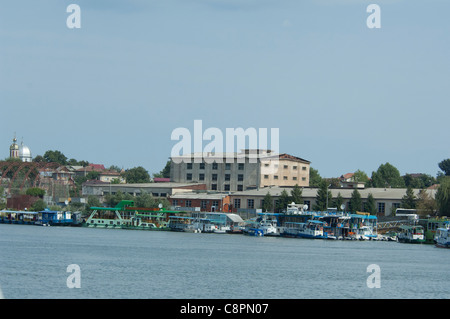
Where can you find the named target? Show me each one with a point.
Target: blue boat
(54, 218)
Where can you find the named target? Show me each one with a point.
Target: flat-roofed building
(249, 169)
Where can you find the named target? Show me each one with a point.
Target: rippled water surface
(151, 264)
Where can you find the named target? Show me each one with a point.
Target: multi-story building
(249, 169)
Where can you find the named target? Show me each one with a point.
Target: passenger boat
(45, 217)
(442, 238)
(411, 234)
(311, 229)
(127, 216)
(363, 226)
(432, 224)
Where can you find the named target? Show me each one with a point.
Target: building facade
(387, 200)
(249, 169)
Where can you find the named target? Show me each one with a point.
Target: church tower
(14, 149)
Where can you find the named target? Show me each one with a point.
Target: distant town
(194, 182)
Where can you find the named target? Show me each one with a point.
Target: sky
(343, 96)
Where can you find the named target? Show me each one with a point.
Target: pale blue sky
(344, 96)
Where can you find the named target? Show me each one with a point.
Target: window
(285, 178)
(214, 166)
(189, 165)
(188, 203)
(227, 166)
(201, 166)
(275, 176)
(201, 177)
(240, 188)
(214, 177)
(214, 187)
(175, 202)
(381, 207)
(266, 165)
(189, 177)
(240, 177)
(294, 178)
(227, 177)
(303, 179)
(241, 166)
(215, 203)
(304, 168)
(237, 203)
(227, 187)
(294, 167)
(285, 166)
(203, 204)
(266, 176)
(250, 203)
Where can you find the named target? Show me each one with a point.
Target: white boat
(269, 227)
(222, 229)
(310, 229)
(411, 234)
(442, 238)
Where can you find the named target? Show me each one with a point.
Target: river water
(136, 264)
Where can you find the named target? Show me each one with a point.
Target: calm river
(164, 265)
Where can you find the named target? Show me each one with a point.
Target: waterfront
(123, 264)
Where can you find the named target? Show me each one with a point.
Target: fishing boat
(311, 229)
(411, 234)
(442, 238)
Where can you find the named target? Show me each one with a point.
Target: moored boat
(311, 229)
(411, 234)
(442, 238)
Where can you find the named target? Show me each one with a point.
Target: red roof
(97, 166)
(161, 180)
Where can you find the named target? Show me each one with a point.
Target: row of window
(294, 167)
(285, 178)
(215, 166)
(227, 177)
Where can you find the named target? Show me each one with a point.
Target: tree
(355, 203)
(338, 201)
(409, 200)
(370, 205)
(314, 178)
(166, 170)
(296, 195)
(38, 205)
(443, 197)
(267, 202)
(137, 175)
(426, 205)
(360, 176)
(35, 191)
(55, 156)
(445, 166)
(387, 176)
(283, 201)
(93, 201)
(323, 197)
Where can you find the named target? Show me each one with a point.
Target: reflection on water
(146, 264)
